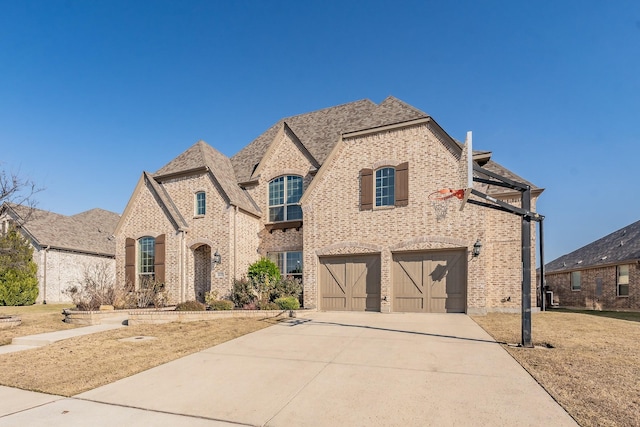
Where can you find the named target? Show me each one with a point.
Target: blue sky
(94, 92)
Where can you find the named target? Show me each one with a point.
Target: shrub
(210, 297)
(263, 269)
(287, 287)
(269, 306)
(18, 287)
(221, 304)
(96, 287)
(288, 303)
(18, 272)
(242, 293)
(151, 293)
(191, 306)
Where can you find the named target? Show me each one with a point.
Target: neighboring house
(339, 198)
(603, 275)
(63, 246)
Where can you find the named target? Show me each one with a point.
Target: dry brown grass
(593, 369)
(83, 363)
(36, 319)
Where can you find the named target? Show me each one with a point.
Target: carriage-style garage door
(350, 283)
(431, 282)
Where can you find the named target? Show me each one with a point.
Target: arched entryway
(201, 271)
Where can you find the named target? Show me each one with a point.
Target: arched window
(284, 197)
(146, 259)
(201, 203)
(385, 187)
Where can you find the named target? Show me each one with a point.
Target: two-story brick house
(337, 197)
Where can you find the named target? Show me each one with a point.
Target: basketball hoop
(439, 200)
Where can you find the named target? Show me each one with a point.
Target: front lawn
(36, 319)
(588, 362)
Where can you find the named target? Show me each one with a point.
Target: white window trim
(618, 280)
(284, 205)
(375, 188)
(195, 204)
(573, 289)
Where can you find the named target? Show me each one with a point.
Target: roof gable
(319, 131)
(202, 157)
(621, 246)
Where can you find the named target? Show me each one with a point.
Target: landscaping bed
(168, 315)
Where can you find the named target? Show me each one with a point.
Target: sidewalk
(39, 340)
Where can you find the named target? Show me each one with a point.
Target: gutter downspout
(235, 242)
(182, 266)
(44, 275)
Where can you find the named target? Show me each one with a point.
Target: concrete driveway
(327, 369)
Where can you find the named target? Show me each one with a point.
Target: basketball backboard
(465, 169)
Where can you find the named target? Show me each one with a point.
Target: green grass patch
(632, 316)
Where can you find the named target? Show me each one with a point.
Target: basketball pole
(524, 211)
(526, 269)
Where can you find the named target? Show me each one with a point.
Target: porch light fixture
(476, 248)
(217, 259)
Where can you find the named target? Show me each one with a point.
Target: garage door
(350, 283)
(431, 282)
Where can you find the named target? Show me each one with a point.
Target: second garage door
(350, 283)
(430, 282)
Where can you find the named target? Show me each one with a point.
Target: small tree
(264, 269)
(18, 279)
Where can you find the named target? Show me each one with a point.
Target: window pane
(623, 290)
(385, 187)
(146, 258)
(276, 214)
(623, 274)
(285, 193)
(200, 203)
(276, 192)
(294, 263)
(294, 189)
(575, 280)
(294, 212)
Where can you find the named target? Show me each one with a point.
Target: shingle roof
(88, 232)
(200, 156)
(171, 209)
(618, 247)
(319, 131)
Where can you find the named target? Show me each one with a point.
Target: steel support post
(526, 269)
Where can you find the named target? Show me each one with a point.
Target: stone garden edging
(168, 315)
(7, 322)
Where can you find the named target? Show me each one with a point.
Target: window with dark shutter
(130, 264)
(402, 184)
(159, 259)
(366, 189)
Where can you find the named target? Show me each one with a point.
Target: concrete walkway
(39, 340)
(352, 369)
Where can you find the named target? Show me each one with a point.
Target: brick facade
(58, 270)
(333, 222)
(589, 297)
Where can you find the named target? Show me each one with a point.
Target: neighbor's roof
(88, 232)
(202, 156)
(618, 247)
(319, 131)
